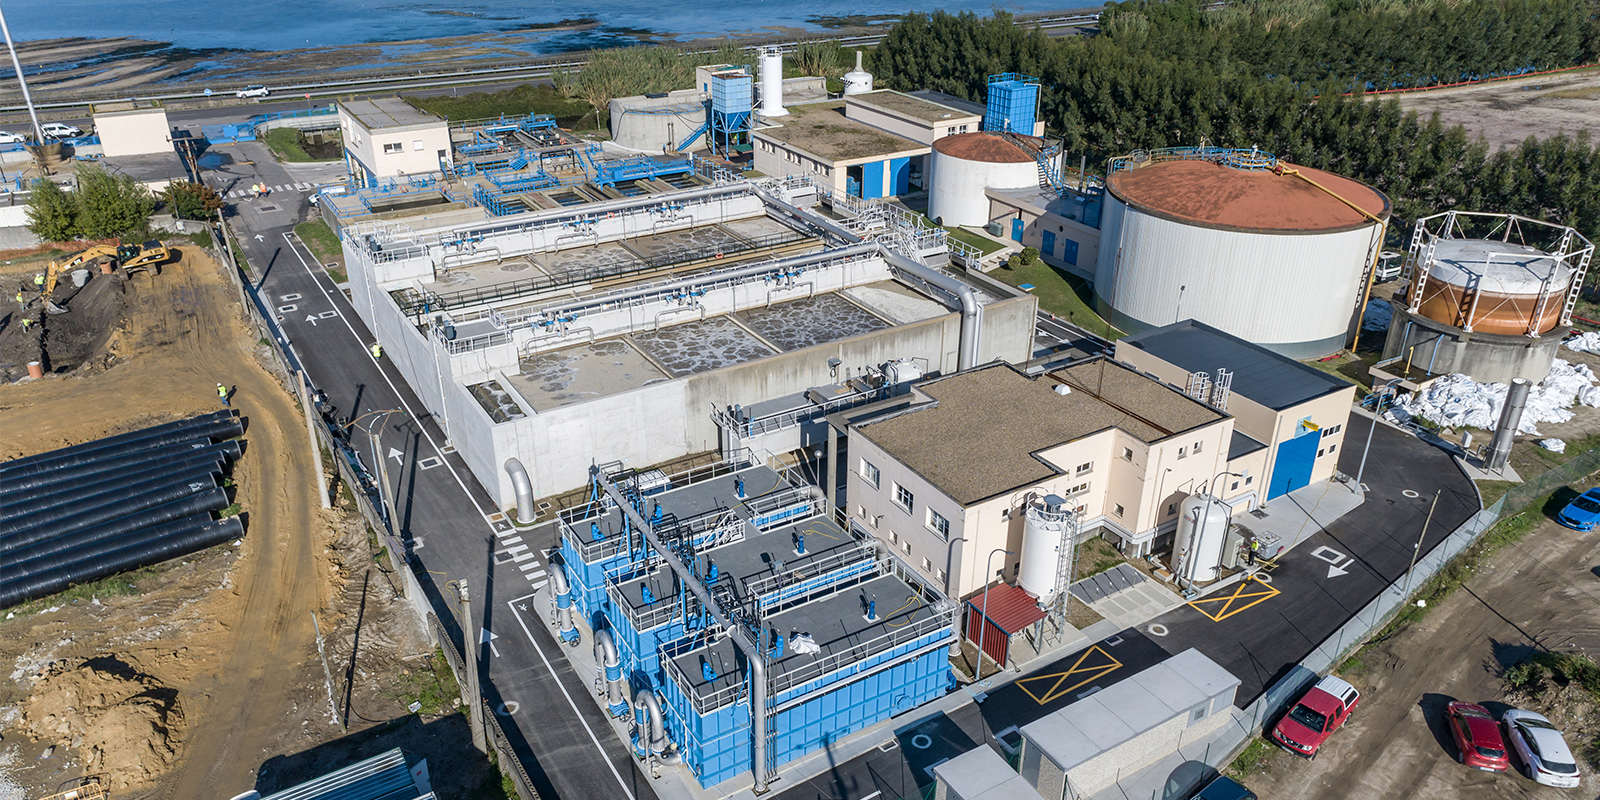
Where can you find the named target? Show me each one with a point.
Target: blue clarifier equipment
(1012, 103)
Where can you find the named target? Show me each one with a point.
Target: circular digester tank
(1202, 532)
(962, 166)
(1270, 252)
(1494, 287)
(1046, 529)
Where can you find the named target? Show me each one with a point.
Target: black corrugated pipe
(118, 485)
(203, 434)
(203, 502)
(62, 520)
(142, 460)
(120, 439)
(60, 550)
(40, 584)
(127, 476)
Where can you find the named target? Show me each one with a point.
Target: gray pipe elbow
(605, 649)
(654, 725)
(524, 489)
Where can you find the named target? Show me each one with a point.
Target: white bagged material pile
(804, 644)
(1378, 315)
(1585, 343)
(1458, 401)
(1553, 445)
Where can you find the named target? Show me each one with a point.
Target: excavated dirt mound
(127, 724)
(62, 343)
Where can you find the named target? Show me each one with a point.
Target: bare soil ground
(1541, 593)
(185, 688)
(1506, 112)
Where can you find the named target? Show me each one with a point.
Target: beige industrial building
(945, 477)
(387, 137)
(138, 142)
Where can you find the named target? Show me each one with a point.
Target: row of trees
(1107, 95)
(106, 205)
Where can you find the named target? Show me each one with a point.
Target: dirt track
(1542, 592)
(1507, 112)
(236, 669)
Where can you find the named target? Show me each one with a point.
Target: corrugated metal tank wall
(1293, 293)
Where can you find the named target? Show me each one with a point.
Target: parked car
(1583, 512)
(1315, 716)
(331, 191)
(1541, 749)
(1224, 788)
(7, 137)
(1477, 736)
(252, 91)
(60, 130)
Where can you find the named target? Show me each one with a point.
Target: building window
(1234, 487)
(938, 523)
(1322, 452)
(939, 575)
(963, 128)
(418, 146)
(1196, 448)
(1116, 508)
(927, 566)
(1331, 448)
(392, 148)
(1172, 508)
(903, 497)
(1183, 452)
(1085, 469)
(894, 538)
(869, 472)
(1249, 479)
(1127, 454)
(906, 546)
(1333, 430)
(1079, 489)
(1005, 514)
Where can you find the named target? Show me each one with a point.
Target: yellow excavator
(130, 257)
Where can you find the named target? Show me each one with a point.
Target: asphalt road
(441, 510)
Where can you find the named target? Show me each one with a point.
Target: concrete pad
(583, 372)
(896, 303)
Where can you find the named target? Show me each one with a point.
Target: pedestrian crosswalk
(298, 187)
(514, 551)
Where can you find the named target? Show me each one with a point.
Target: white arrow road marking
(311, 318)
(488, 638)
(395, 454)
(1334, 572)
(260, 238)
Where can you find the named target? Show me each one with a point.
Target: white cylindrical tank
(772, 83)
(964, 165)
(1044, 533)
(1267, 257)
(1202, 532)
(857, 80)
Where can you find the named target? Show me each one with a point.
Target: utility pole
(27, 99)
(311, 431)
(1418, 549)
(1377, 414)
(474, 698)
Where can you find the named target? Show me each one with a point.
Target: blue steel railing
(1250, 160)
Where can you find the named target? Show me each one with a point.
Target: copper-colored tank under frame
(1495, 313)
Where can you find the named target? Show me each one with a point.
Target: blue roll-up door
(899, 176)
(1047, 243)
(1292, 469)
(872, 179)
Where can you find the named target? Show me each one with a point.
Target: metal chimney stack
(1510, 416)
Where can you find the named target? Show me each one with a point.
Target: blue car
(1582, 513)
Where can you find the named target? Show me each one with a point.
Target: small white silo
(1044, 533)
(857, 80)
(772, 83)
(1202, 533)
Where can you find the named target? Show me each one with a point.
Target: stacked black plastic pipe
(81, 513)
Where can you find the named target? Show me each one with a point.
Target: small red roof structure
(1010, 608)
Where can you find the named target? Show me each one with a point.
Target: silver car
(1540, 747)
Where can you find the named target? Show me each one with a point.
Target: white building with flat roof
(386, 137)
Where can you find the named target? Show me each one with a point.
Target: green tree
(191, 200)
(52, 213)
(111, 205)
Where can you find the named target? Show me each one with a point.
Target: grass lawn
(516, 101)
(1094, 557)
(321, 239)
(285, 144)
(984, 244)
(1066, 296)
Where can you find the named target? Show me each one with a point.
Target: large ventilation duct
(524, 489)
(40, 584)
(1510, 417)
(121, 440)
(117, 516)
(772, 83)
(138, 460)
(608, 664)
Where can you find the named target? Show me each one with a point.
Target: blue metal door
(1069, 251)
(899, 176)
(1293, 467)
(1016, 230)
(1047, 242)
(872, 179)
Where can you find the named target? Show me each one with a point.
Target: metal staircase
(1049, 177)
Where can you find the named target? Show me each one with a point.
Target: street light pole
(385, 506)
(1377, 414)
(949, 573)
(983, 626)
(1415, 551)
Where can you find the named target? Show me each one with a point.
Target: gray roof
(383, 777)
(1258, 373)
(381, 113)
(1243, 445)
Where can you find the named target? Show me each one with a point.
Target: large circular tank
(1267, 257)
(1044, 533)
(965, 164)
(1504, 287)
(1202, 532)
(857, 80)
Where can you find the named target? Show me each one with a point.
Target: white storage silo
(1045, 531)
(1202, 533)
(964, 165)
(857, 80)
(1261, 254)
(772, 83)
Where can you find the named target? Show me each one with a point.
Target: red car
(1477, 736)
(1317, 715)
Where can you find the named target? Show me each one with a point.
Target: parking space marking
(1094, 664)
(1247, 594)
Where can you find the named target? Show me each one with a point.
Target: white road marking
(488, 637)
(530, 567)
(512, 540)
(522, 557)
(1328, 554)
(518, 549)
(540, 650)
